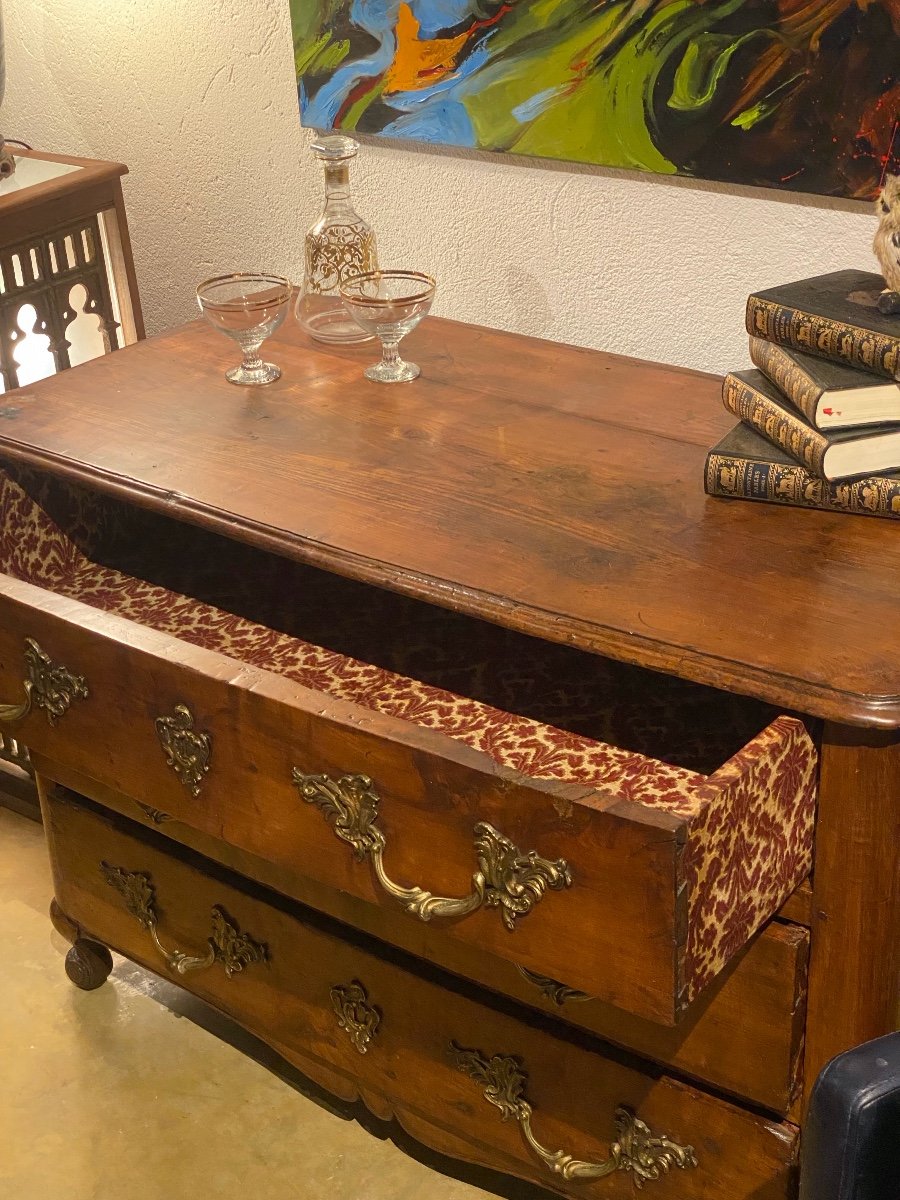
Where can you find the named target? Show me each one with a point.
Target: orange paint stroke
(418, 64)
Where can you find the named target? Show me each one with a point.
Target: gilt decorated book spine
(797, 386)
(775, 423)
(789, 483)
(837, 340)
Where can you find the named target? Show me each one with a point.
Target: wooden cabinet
(462, 692)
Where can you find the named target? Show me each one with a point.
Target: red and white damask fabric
(750, 822)
(33, 548)
(750, 846)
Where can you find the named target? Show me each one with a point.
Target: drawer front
(744, 1035)
(639, 906)
(456, 1067)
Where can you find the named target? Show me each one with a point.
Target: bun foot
(88, 964)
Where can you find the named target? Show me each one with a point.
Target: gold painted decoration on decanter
(558, 992)
(336, 254)
(355, 1014)
(47, 686)
(233, 950)
(506, 878)
(186, 749)
(636, 1148)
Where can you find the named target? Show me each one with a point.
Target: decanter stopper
(340, 245)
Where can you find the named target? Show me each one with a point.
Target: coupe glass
(249, 308)
(389, 304)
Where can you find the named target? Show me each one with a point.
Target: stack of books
(820, 414)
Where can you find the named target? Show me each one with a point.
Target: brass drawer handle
(506, 878)
(47, 686)
(636, 1149)
(187, 751)
(355, 1014)
(558, 992)
(228, 946)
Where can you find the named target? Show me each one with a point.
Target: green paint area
(601, 78)
(309, 18)
(731, 89)
(324, 54)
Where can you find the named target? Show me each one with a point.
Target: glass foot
(392, 372)
(332, 325)
(253, 376)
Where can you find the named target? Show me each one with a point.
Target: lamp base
(7, 159)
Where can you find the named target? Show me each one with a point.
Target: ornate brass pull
(228, 946)
(506, 878)
(46, 686)
(187, 751)
(355, 1014)
(636, 1149)
(558, 992)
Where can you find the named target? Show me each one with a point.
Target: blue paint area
(436, 17)
(444, 121)
(322, 110)
(432, 114)
(377, 17)
(535, 105)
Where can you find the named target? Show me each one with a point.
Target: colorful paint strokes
(799, 94)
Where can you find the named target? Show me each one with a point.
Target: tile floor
(138, 1092)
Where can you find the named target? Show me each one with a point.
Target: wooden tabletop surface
(545, 487)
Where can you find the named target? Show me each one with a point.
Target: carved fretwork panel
(43, 272)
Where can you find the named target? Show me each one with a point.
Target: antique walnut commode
(286, 659)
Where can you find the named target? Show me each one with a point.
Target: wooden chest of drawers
(383, 720)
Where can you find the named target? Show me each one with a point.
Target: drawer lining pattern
(749, 840)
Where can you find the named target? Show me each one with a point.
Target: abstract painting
(798, 94)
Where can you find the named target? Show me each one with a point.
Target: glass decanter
(339, 246)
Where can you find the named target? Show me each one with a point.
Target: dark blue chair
(851, 1141)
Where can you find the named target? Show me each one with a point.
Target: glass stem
(389, 353)
(252, 361)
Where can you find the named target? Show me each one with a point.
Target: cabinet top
(41, 178)
(553, 489)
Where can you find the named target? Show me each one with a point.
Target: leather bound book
(830, 395)
(833, 316)
(745, 466)
(838, 454)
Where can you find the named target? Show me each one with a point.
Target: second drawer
(457, 1067)
(744, 1035)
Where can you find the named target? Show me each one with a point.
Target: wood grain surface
(625, 858)
(743, 1036)
(855, 959)
(552, 489)
(572, 1083)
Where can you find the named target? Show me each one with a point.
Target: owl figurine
(887, 243)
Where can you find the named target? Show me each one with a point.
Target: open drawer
(624, 875)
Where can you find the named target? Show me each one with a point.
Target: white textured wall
(198, 98)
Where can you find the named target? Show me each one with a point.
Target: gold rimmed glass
(389, 304)
(248, 308)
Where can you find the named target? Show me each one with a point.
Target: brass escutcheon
(46, 685)
(355, 1014)
(227, 945)
(506, 878)
(558, 992)
(636, 1149)
(187, 751)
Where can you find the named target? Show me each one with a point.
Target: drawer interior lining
(485, 686)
